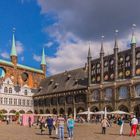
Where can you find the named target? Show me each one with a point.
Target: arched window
(123, 92)
(10, 90)
(95, 95)
(108, 94)
(137, 90)
(5, 89)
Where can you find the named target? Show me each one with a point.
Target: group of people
(133, 125)
(57, 124)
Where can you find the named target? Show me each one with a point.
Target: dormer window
(56, 85)
(76, 81)
(51, 81)
(68, 77)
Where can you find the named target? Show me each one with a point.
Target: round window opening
(24, 76)
(2, 72)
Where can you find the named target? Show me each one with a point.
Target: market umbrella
(119, 112)
(86, 113)
(101, 113)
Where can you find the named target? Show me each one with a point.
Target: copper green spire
(133, 39)
(13, 50)
(43, 61)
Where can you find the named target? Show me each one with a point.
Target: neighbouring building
(18, 83)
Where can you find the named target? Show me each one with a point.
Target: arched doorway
(94, 109)
(12, 111)
(41, 111)
(36, 112)
(137, 110)
(30, 112)
(70, 111)
(80, 109)
(62, 111)
(22, 112)
(109, 108)
(47, 111)
(123, 108)
(54, 111)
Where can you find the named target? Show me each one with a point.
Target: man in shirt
(61, 122)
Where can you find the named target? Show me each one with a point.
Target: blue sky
(65, 29)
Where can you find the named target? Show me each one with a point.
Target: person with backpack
(70, 127)
(121, 123)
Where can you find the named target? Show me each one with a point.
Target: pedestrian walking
(134, 124)
(60, 122)
(104, 124)
(29, 121)
(49, 122)
(121, 123)
(70, 127)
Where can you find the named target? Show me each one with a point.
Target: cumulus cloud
(19, 47)
(36, 58)
(82, 21)
(48, 45)
(5, 55)
(88, 19)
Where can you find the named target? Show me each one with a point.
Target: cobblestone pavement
(82, 132)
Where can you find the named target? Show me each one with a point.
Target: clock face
(127, 73)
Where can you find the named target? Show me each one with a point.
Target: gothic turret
(43, 62)
(133, 52)
(13, 53)
(116, 55)
(89, 66)
(102, 60)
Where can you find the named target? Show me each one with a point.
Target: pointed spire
(89, 53)
(133, 39)
(116, 41)
(43, 61)
(13, 50)
(102, 47)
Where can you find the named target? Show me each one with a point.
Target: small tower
(43, 62)
(89, 66)
(102, 60)
(133, 51)
(116, 55)
(13, 54)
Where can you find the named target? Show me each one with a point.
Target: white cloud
(73, 55)
(48, 45)
(19, 47)
(5, 55)
(36, 58)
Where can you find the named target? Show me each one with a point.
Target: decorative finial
(133, 28)
(14, 29)
(133, 39)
